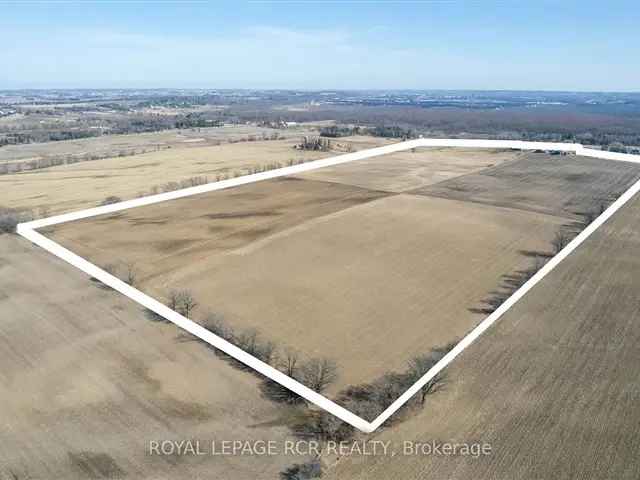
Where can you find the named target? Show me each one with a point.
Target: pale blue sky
(547, 45)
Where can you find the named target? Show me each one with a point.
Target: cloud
(317, 37)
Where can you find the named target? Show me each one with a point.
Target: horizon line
(312, 90)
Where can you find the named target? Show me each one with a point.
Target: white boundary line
(27, 230)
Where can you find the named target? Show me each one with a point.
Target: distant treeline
(49, 136)
(559, 125)
(392, 131)
(93, 126)
(611, 130)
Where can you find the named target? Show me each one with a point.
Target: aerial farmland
(353, 280)
(367, 278)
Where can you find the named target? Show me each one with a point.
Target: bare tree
(602, 207)
(386, 389)
(319, 373)
(303, 471)
(268, 353)
(131, 275)
(174, 300)
(290, 362)
(418, 367)
(187, 303)
(327, 427)
(10, 218)
(182, 301)
(589, 217)
(248, 341)
(367, 409)
(560, 240)
(215, 323)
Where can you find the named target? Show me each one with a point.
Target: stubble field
(368, 278)
(551, 387)
(112, 145)
(86, 184)
(87, 381)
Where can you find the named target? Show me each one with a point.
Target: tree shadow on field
(511, 282)
(277, 393)
(99, 284)
(154, 317)
(185, 337)
(536, 254)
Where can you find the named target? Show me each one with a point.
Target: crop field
(561, 185)
(404, 273)
(87, 381)
(408, 170)
(112, 145)
(229, 250)
(367, 264)
(276, 269)
(82, 185)
(551, 387)
(80, 395)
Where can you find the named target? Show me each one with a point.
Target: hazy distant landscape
(611, 120)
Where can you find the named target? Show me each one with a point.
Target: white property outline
(28, 231)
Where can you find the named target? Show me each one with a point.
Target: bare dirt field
(563, 185)
(87, 381)
(552, 387)
(195, 228)
(273, 255)
(343, 267)
(413, 169)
